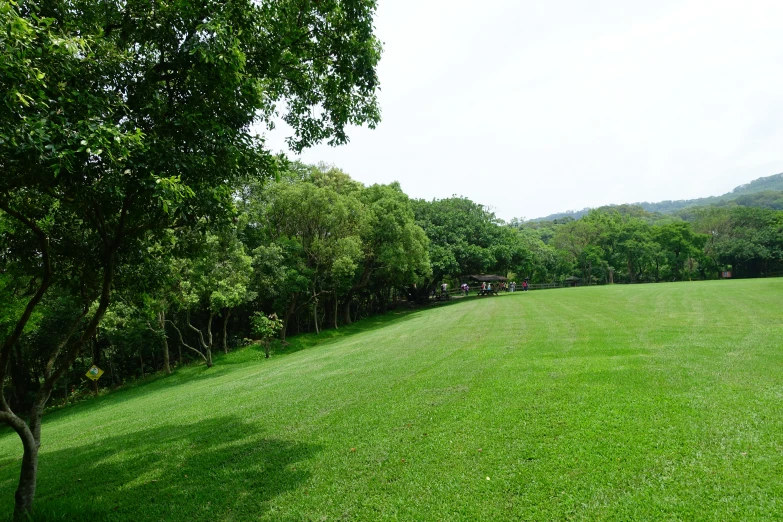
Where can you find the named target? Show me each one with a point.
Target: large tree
(465, 238)
(123, 119)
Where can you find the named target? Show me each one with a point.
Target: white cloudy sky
(534, 107)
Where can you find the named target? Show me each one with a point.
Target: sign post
(94, 373)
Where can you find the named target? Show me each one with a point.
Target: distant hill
(762, 192)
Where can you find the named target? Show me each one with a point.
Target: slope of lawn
(644, 402)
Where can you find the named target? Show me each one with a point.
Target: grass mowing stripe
(625, 402)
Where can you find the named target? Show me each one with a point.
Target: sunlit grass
(645, 402)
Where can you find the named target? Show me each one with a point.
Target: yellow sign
(94, 373)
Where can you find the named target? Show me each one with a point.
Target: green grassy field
(645, 402)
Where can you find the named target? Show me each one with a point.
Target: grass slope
(642, 402)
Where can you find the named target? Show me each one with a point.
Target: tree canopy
(123, 120)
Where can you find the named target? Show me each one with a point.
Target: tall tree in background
(122, 119)
(465, 238)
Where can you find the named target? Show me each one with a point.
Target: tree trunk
(208, 347)
(25, 491)
(347, 310)
(162, 324)
(335, 311)
(20, 379)
(364, 279)
(183, 343)
(315, 312)
(112, 375)
(226, 315)
(287, 317)
(30, 434)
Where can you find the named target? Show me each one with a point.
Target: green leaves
(465, 238)
(265, 327)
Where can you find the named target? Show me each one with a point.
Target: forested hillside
(146, 221)
(766, 192)
(314, 249)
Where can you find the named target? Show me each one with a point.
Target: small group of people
(486, 288)
(513, 286)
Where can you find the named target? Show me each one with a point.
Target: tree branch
(182, 341)
(5, 350)
(199, 332)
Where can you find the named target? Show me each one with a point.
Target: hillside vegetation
(770, 186)
(624, 402)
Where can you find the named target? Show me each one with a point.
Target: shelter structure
(572, 281)
(488, 278)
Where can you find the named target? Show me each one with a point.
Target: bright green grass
(645, 402)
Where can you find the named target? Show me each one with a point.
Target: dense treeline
(627, 244)
(126, 130)
(143, 224)
(315, 249)
(312, 249)
(308, 250)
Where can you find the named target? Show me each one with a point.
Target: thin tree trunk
(287, 317)
(207, 347)
(315, 312)
(226, 315)
(209, 333)
(335, 311)
(186, 345)
(165, 344)
(112, 375)
(363, 281)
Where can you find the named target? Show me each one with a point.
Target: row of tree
(126, 131)
(139, 213)
(315, 249)
(627, 244)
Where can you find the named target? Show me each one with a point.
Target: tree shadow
(214, 469)
(224, 362)
(305, 341)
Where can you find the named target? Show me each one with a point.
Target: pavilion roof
(490, 278)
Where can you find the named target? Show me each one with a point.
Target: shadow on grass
(209, 470)
(304, 341)
(224, 362)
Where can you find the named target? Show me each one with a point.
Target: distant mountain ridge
(770, 189)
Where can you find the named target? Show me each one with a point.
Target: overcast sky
(537, 107)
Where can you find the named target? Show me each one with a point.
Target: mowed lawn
(644, 402)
